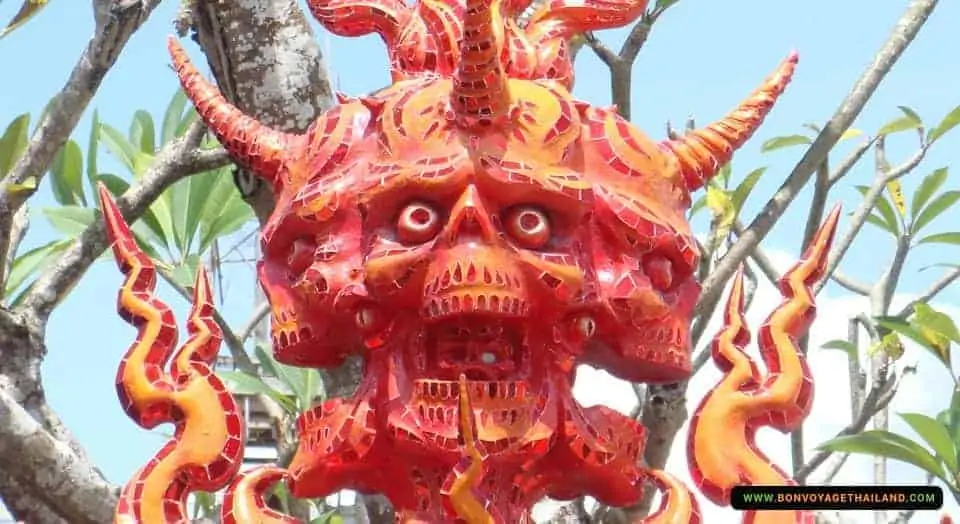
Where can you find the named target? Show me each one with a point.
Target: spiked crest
(480, 48)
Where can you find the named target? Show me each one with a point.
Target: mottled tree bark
(266, 61)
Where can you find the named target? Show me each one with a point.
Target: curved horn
(702, 152)
(479, 84)
(255, 146)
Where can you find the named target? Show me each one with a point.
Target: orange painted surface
(474, 232)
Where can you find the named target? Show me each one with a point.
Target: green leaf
(950, 419)
(698, 205)
(30, 262)
(723, 176)
(935, 209)
(781, 142)
(926, 317)
(71, 220)
(93, 149)
(948, 123)
(119, 146)
(843, 345)
(930, 185)
(311, 382)
(28, 9)
(67, 175)
(881, 443)
(247, 384)
(289, 376)
(850, 133)
(142, 132)
(724, 214)
(940, 265)
(147, 229)
(189, 118)
(941, 238)
(199, 202)
(882, 224)
(890, 345)
(13, 142)
(912, 332)
(885, 211)
(908, 121)
(911, 114)
(224, 213)
(173, 116)
(743, 190)
(185, 272)
(935, 435)
(178, 197)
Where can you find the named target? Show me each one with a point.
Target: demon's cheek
(315, 300)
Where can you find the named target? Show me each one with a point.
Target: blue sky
(703, 57)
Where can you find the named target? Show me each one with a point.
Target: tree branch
(30, 454)
(850, 284)
(175, 161)
(64, 111)
(261, 312)
(881, 393)
(942, 283)
(760, 257)
(603, 52)
(905, 31)
(859, 217)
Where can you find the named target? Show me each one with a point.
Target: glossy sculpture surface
(474, 233)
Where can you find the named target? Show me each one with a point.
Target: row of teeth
(661, 335)
(284, 316)
(443, 390)
(473, 274)
(448, 415)
(283, 337)
(629, 450)
(469, 302)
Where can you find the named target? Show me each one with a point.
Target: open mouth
(478, 346)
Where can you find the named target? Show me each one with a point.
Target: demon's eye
(301, 255)
(417, 223)
(529, 226)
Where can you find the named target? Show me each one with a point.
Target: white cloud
(928, 392)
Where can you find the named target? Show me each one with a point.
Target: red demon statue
(475, 233)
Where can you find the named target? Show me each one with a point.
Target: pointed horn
(702, 152)
(479, 83)
(255, 146)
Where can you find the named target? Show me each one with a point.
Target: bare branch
(258, 315)
(639, 34)
(859, 218)
(67, 106)
(175, 161)
(760, 257)
(603, 52)
(881, 393)
(30, 454)
(858, 379)
(851, 160)
(905, 31)
(850, 284)
(942, 283)
(240, 358)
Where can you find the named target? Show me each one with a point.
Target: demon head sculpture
(473, 227)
